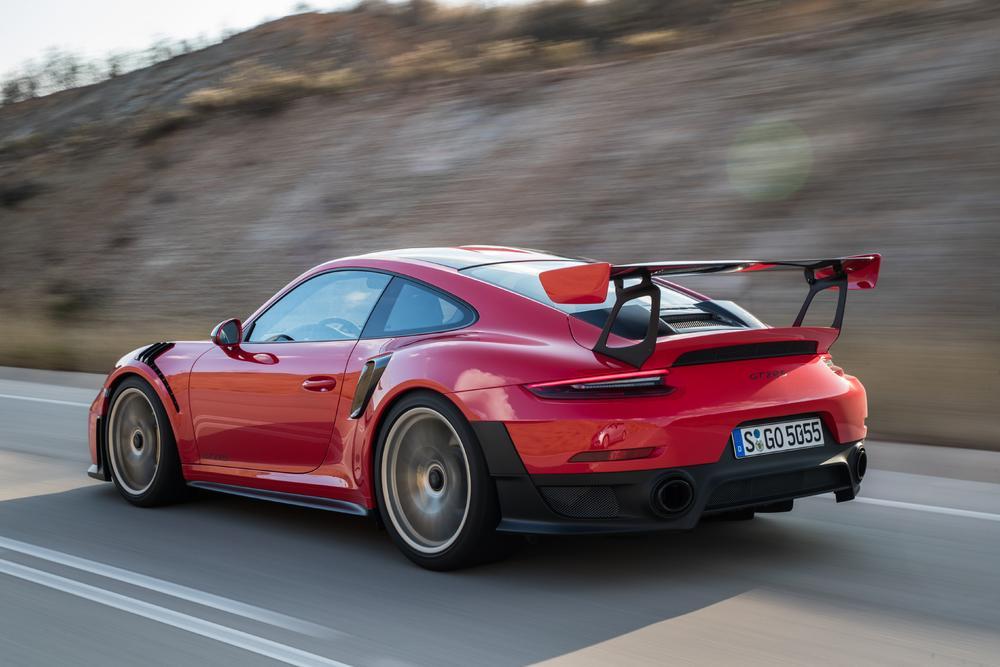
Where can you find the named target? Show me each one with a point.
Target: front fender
(168, 373)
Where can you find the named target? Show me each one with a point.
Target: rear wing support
(587, 283)
(636, 354)
(837, 281)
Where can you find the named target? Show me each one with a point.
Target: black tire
(149, 452)
(408, 474)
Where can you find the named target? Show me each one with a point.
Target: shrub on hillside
(13, 194)
(563, 54)
(157, 124)
(556, 21)
(428, 60)
(618, 17)
(652, 40)
(261, 89)
(506, 54)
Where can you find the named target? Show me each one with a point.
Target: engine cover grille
(582, 502)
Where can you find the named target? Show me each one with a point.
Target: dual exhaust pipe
(861, 464)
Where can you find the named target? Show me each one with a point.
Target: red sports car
(463, 394)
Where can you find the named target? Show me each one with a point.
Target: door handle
(319, 383)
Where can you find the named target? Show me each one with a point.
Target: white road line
(45, 400)
(917, 507)
(244, 640)
(174, 590)
(933, 509)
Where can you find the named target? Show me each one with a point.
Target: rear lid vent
(691, 322)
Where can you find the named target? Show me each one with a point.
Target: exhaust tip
(672, 496)
(861, 463)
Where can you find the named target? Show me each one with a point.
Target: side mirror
(229, 332)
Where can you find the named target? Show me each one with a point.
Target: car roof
(464, 257)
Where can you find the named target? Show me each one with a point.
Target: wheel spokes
(426, 476)
(134, 441)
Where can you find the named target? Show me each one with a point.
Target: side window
(410, 308)
(331, 306)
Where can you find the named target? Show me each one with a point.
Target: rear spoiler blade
(861, 271)
(587, 283)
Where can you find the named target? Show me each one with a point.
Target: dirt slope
(874, 135)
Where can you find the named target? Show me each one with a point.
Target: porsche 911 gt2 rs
(463, 394)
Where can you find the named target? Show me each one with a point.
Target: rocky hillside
(871, 134)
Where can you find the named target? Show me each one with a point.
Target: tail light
(828, 360)
(618, 385)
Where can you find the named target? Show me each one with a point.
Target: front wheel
(436, 497)
(140, 446)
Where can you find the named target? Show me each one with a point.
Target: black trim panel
(637, 353)
(715, 355)
(314, 502)
(148, 356)
(502, 458)
(367, 383)
(755, 482)
(99, 470)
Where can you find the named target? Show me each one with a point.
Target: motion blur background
(147, 195)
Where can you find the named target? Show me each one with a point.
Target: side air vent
(715, 355)
(582, 502)
(148, 356)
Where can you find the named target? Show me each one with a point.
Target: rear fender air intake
(715, 355)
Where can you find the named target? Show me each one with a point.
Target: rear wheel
(140, 446)
(436, 497)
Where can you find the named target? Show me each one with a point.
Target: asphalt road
(908, 573)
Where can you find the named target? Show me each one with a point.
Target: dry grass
(263, 89)
(505, 55)
(87, 346)
(439, 59)
(563, 54)
(436, 59)
(649, 41)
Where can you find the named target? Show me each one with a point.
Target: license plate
(777, 437)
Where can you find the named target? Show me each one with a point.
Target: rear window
(522, 277)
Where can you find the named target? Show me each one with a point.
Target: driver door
(270, 403)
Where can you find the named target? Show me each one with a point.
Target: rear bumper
(623, 502)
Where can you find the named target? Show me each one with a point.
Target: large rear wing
(588, 283)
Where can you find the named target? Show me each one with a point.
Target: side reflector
(583, 283)
(613, 455)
